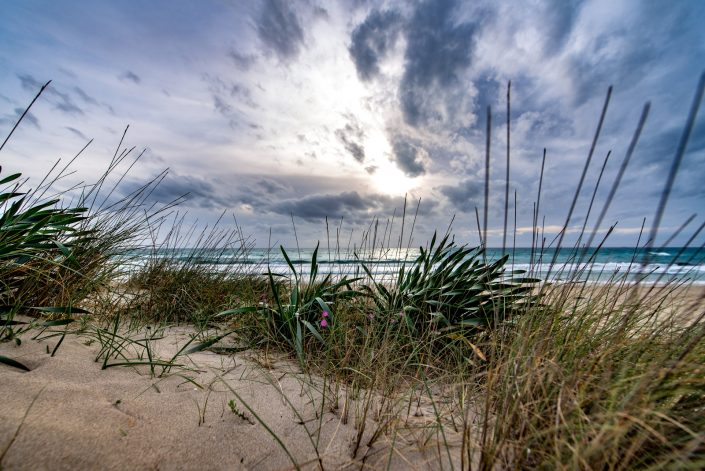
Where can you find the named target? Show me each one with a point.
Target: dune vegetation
(478, 365)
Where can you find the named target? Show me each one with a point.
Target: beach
(68, 413)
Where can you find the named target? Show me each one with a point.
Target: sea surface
(610, 264)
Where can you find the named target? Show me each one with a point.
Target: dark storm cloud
(351, 137)
(131, 76)
(279, 29)
(409, 157)
(195, 191)
(315, 207)
(349, 205)
(465, 195)
(438, 51)
(372, 39)
(77, 133)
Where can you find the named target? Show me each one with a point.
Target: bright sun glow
(386, 178)
(389, 180)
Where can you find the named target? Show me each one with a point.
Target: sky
(272, 111)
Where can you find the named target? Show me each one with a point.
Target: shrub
(451, 287)
(304, 307)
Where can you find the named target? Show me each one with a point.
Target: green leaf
(10, 178)
(62, 310)
(240, 310)
(14, 363)
(288, 261)
(207, 343)
(57, 322)
(324, 305)
(314, 331)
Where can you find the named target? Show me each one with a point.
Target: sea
(591, 265)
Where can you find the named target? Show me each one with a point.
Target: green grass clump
(299, 309)
(452, 288)
(600, 385)
(37, 245)
(168, 291)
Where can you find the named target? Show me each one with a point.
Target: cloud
(349, 205)
(372, 39)
(84, 96)
(242, 61)
(438, 53)
(29, 118)
(224, 92)
(272, 187)
(465, 195)
(488, 89)
(62, 101)
(131, 76)
(279, 30)
(352, 136)
(315, 207)
(196, 191)
(654, 156)
(68, 106)
(30, 83)
(77, 133)
(221, 106)
(594, 71)
(150, 156)
(410, 158)
(560, 17)
(320, 12)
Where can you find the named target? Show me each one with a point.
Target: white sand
(121, 418)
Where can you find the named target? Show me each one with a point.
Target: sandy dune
(81, 417)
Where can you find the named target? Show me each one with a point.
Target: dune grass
(480, 366)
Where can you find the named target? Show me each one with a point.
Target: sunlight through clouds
(332, 101)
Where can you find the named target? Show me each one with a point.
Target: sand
(68, 413)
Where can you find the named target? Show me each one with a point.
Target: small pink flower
(325, 314)
(324, 323)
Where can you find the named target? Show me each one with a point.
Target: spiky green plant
(298, 308)
(452, 287)
(32, 233)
